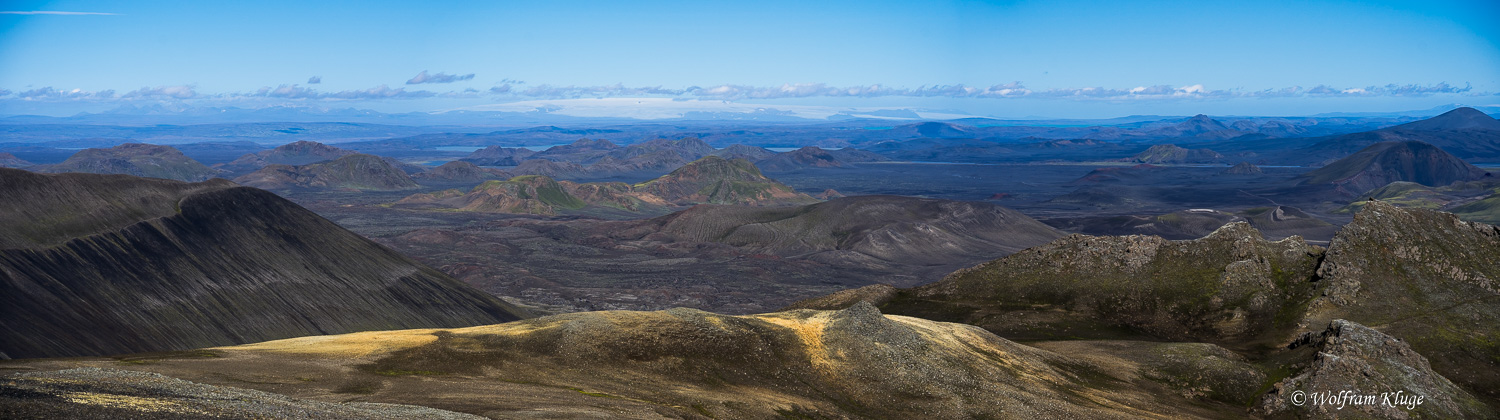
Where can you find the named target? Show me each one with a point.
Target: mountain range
(711, 180)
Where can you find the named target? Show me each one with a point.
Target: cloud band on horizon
(1012, 90)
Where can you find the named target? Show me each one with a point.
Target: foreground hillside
(683, 363)
(99, 264)
(1424, 277)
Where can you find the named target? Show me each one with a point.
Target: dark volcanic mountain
(1199, 126)
(583, 151)
(293, 154)
(740, 151)
(526, 194)
(1464, 132)
(8, 160)
(1243, 168)
(1169, 153)
(714, 180)
(356, 171)
(498, 156)
(1459, 119)
(459, 172)
(549, 168)
(137, 159)
(1388, 162)
(815, 157)
(806, 157)
(96, 265)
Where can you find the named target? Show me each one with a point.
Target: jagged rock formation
(137, 159)
(1422, 276)
(1387, 162)
(459, 171)
(1229, 286)
(114, 393)
(8, 160)
(714, 180)
(1170, 153)
(498, 156)
(292, 154)
(1387, 377)
(1425, 277)
(1243, 168)
(356, 171)
(829, 194)
(96, 265)
(1273, 222)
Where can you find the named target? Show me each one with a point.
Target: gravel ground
(121, 394)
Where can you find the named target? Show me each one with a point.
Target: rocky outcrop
(1358, 372)
(1424, 276)
(1227, 287)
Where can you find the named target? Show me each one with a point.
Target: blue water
(469, 149)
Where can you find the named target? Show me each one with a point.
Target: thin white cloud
(423, 77)
(55, 12)
(315, 80)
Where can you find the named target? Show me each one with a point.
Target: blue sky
(1007, 59)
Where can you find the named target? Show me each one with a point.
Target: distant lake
(468, 149)
(787, 149)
